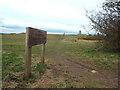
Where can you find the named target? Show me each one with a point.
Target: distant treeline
(10, 33)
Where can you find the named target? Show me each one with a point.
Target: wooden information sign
(33, 37)
(36, 36)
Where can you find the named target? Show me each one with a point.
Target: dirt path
(65, 73)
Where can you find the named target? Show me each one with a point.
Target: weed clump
(40, 68)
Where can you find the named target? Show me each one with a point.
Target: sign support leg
(43, 53)
(27, 55)
(28, 62)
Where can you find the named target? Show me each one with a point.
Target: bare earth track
(66, 72)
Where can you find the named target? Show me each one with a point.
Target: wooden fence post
(43, 53)
(27, 56)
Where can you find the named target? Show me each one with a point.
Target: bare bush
(107, 22)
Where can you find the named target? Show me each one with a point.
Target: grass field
(57, 46)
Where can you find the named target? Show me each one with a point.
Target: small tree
(107, 22)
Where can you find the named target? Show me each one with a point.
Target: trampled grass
(85, 50)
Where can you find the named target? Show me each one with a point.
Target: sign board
(36, 36)
(33, 37)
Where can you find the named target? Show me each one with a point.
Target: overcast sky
(54, 16)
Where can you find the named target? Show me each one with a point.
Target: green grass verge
(11, 64)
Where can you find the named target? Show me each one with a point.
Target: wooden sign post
(43, 53)
(33, 37)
